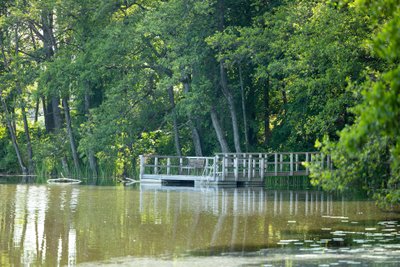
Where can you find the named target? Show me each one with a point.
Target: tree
(367, 153)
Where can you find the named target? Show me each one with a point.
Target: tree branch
(3, 53)
(37, 58)
(35, 30)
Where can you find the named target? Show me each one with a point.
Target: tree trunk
(90, 153)
(71, 135)
(48, 115)
(219, 131)
(231, 104)
(46, 35)
(224, 81)
(31, 167)
(64, 164)
(267, 131)
(50, 46)
(23, 111)
(58, 127)
(11, 124)
(195, 133)
(56, 113)
(37, 110)
(196, 139)
(246, 136)
(14, 123)
(92, 162)
(48, 39)
(11, 129)
(251, 114)
(175, 121)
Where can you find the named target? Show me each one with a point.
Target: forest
(87, 86)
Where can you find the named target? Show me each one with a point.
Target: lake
(65, 225)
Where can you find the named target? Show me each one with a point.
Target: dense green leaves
(367, 152)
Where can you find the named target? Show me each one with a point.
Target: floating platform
(63, 181)
(229, 169)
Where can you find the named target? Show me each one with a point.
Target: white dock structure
(230, 169)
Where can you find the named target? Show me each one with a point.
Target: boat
(63, 181)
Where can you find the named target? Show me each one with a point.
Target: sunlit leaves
(368, 151)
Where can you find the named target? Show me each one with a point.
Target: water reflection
(67, 225)
(242, 201)
(29, 236)
(38, 225)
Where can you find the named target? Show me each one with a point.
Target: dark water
(60, 225)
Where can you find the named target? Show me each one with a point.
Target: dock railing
(154, 165)
(248, 166)
(244, 167)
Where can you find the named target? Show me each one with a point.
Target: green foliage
(48, 152)
(8, 160)
(367, 152)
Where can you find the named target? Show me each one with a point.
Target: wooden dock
(231, 169)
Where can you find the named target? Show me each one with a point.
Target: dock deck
(230, 169)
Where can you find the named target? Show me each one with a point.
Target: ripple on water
(339, 233)
(388, 223)
(361, 241)
(324, 241)
(389, 230)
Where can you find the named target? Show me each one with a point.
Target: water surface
(57, 225)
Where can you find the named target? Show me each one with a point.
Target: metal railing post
(262, 167)
(307, 161)
(156, 165)
(236, 167)
(168, 166)
(291, 164)
(249, 168)
(206, 168)
(141, 160)
(180, 165)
